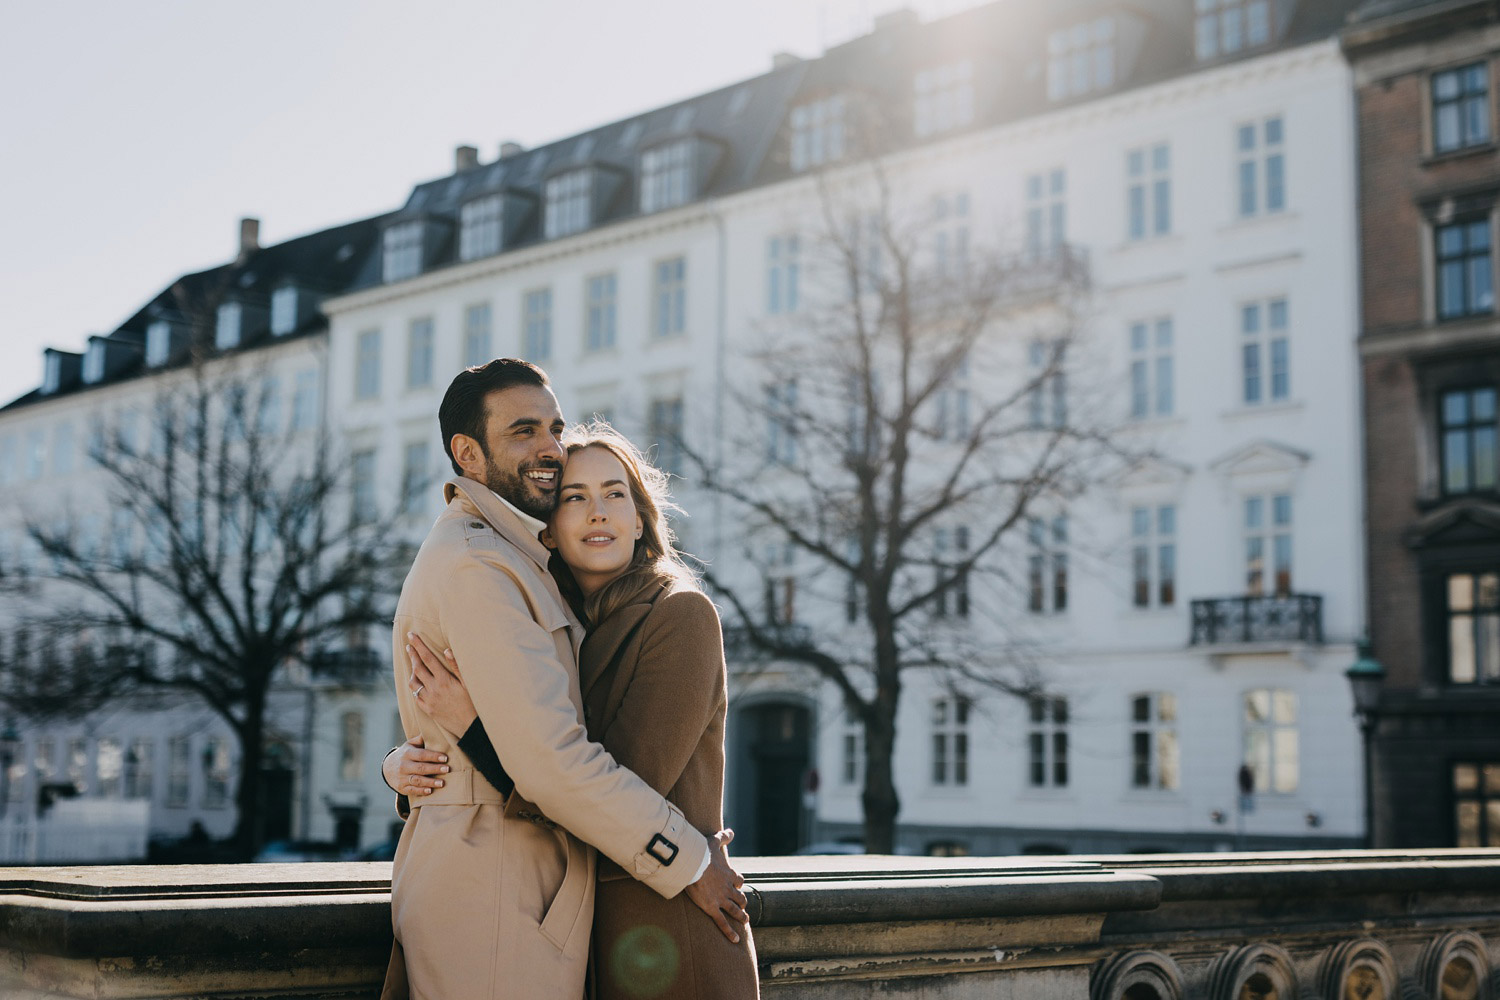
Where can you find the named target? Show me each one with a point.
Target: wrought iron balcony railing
(347, 666)
(737, 641)
(1245, 620)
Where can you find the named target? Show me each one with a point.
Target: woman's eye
(616, 495)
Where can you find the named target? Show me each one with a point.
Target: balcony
(347, 667)
(738, 644)
(1292, 618)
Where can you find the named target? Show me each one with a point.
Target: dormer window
(158, 343)
(227, 330)
(283, 310)
(402, 251)
(667, 176)
(1224, 27)
(1081, 59)
(51, 373)
(944, 98)
(818, 132)
(479, 227)
(93, 362)
(569, 203)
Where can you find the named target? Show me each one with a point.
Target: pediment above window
(1154, 470)
(1459, 524)
(1260, 458)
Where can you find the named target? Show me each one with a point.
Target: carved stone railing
(1216, 926)
(1249, 620)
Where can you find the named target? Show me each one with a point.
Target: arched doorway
(276, 779)
(772, 755)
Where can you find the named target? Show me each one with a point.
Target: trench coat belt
(463, 786)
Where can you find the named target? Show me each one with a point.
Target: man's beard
(526, 495)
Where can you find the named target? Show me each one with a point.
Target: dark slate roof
(1006, 42)
(324, 263)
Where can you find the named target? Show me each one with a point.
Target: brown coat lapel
(604, 644)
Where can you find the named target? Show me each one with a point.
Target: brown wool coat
(654, 694)
(494, 899)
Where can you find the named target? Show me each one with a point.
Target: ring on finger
(418, 692)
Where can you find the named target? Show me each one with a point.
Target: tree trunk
(881, 803)
(247, 827)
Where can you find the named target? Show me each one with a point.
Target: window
(305, 401)
(93, 362)
(419, 354)
(78, 765)
(1476, 804)
(1047, 399)
(178, 754)
(852, 750)
(1153, 538)
(367, 365)
(284, 310)
(268, 420)
(569, 203)
(952, 403)
(1047, 742)
(1046, 213)
(477, 335)
(215, 773)
(780, 585)
(159, 343)
(1460, 108)
(1465, 280)
(415, 475)
(402, 246)
(536, 324)
(1148, 191)
(600, 312)
(667, 176)
(944, 98)
(781, 422)
(665, 433)
(1264, 352)
(951, 551)
(817, 132)
(479, 230)
(1469, 440)
(45, 759)
(1153, 741)
(362, 486)
(15, 777)
(950, 741)
(1262, 168)
(669, 298)
(782, 253)
(36, 454)
(950, 237)
(1047, 564)
(1151, 369)
(1271, 535)
(140, 768)
(63, 449)
(351, 746)
(1473, 611)
(1081, 59)
(51, 372)
(1224, 27)
(227, 328)
(109, 767)
(1271, 740)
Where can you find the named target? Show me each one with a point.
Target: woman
(652, 676)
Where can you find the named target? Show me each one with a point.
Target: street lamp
(1366, 676)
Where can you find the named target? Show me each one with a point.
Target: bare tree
(234, 550)
(917, 415)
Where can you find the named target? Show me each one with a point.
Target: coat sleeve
(521, 690)
(676, 687)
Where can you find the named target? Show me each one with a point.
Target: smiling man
(492, 894)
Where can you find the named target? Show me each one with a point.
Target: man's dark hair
(462, 410)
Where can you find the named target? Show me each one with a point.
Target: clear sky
(133, 136)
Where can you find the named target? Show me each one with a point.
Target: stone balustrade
(1293, 926)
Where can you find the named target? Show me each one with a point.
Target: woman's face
(595, 525)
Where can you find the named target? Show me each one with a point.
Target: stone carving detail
(1254, 972)
(1362, 969)
(1454, 967)
(1136, 975)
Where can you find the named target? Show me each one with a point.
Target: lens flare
(643, 961)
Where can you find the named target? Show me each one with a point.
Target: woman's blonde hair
(656, 557)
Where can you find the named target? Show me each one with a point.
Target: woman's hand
(437, 688)
(413, 771)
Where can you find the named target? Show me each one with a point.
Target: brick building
(1429, 179)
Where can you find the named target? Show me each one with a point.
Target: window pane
(1284, 708)
(1140, 708)
(1258, 756)
(1484, 458)
(1456, 407)
(1285, 745)
(1487, 651)
(1455, 461)
(1492, 824)
(1460, 592)
(1166, 707)
(1481, 285)
(1461, 649)
(1140, 759)
(1254, 512)
(1484, 404)
(1451, 289)
(1468, 824)
(1488, 585)
(1465, 778)
(1247, 187)
(1258, 706)
(1166, 759)
(1445, 86)
(1281, 510)
(1491, 775)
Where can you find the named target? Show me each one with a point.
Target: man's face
(523, 456)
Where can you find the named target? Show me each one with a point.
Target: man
(492, 895)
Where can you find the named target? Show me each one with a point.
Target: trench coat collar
(604, 642)
(487, 505)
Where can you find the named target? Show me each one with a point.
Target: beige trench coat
(493, 899)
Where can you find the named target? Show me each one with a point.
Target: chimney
(465, 158)
(509, 148)
(781, 60)
(898, 18)
(249, 237)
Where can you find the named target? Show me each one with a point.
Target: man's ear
(547, 539)
(466, 452)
